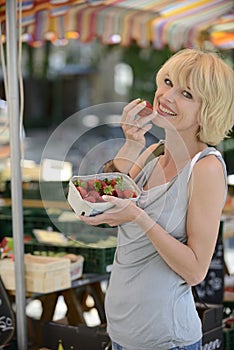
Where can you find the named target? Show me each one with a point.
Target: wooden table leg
(49, 302)
(74, 309)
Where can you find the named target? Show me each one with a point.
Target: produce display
(147, 110)
(93, 189)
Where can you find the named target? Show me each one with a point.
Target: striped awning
(155, 23)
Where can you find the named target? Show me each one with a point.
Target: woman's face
(177, 106)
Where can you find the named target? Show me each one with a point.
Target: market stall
(148, 23)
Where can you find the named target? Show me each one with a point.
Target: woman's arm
(134, 129)
(206, 197)
(135, 167)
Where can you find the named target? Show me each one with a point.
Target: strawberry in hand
(148, 109)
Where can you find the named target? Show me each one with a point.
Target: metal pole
(16, 181)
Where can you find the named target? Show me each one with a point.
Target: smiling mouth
(166, 111)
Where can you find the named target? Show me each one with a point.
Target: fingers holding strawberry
(134, 127)
(147, 110)
(130, 111)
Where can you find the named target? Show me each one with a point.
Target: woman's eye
(168, 82)
(187, 94)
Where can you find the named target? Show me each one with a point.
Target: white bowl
(83, 207)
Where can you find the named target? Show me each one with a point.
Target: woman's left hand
(124, 211)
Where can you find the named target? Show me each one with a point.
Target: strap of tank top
(156, 152)
(218, 154)
(197, 156)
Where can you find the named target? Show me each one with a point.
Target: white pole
(16, 181)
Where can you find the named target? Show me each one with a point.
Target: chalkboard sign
(211, 290)
(7, 317)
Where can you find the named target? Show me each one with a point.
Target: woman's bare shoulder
(208, 166)
(207, 177)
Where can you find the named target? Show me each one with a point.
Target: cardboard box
(213, 339)
(42, 274)
(76, 268)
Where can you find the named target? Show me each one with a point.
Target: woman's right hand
(134, 126)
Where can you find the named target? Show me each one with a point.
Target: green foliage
(145, 62)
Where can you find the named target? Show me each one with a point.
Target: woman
(166, 240)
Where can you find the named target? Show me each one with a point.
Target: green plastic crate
(38, 218)
(228, 339)
(35, 190)
(97, 260)
(32, 218)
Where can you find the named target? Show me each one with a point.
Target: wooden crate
(42, 274)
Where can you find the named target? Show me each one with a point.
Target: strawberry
(93, 194)
(107, 181)
(94, 197)
(81, 183)
(147, 110)
(118, 193)
(108, 190)
(104, 185)
(98, 185)
(82, 191)
(129, 194)
(100, 199)
(91, 184)
(90, 199)
(113, 182)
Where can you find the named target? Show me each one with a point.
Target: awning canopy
(155, 23)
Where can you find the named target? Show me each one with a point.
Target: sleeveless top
(148, 305)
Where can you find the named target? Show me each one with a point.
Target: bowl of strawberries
(85, 192)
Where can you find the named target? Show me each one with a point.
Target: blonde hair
(212, 80)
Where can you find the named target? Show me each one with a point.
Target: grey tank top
(149, 306)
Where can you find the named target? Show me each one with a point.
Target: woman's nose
(169, 95)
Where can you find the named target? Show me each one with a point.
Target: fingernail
(105, 197)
